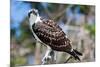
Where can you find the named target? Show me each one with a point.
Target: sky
(18, 13)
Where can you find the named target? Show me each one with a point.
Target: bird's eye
(34, 12)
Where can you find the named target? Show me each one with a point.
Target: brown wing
(51, 34)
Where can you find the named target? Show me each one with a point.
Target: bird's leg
(47, 56)
(53, 57)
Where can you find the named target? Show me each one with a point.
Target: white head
(33, 16)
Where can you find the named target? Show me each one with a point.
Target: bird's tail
(75, 54)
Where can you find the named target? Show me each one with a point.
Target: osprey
(50, 34)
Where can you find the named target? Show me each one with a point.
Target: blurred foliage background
(77, 21)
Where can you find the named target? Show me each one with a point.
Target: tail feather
(75, 54)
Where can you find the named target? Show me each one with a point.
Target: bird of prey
(49, 33)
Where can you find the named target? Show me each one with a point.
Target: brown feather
(51, 34)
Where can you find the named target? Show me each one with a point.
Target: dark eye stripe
(34, 12)
(31, 12)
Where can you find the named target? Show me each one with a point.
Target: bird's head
(33, 12)
(33, 16)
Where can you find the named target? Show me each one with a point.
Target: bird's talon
(46, 59)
